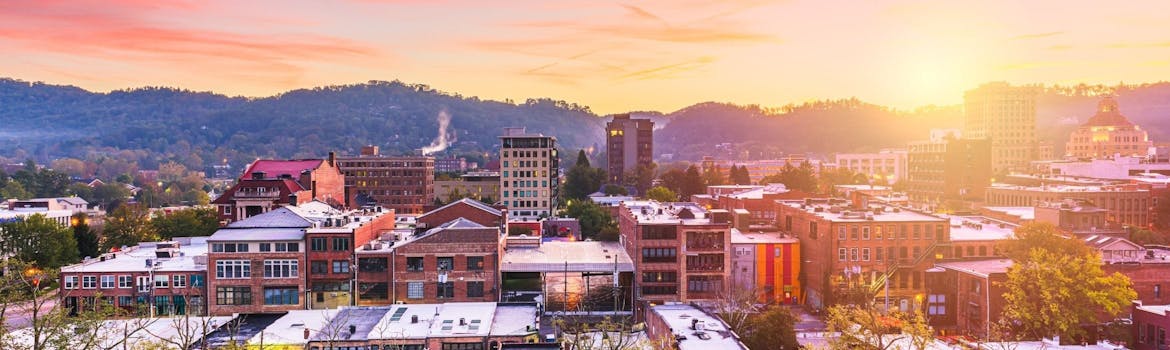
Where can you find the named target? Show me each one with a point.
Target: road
(19, 315)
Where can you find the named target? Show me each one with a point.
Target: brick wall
(459, 210)
(458, 244)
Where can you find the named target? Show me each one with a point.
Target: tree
(740, 175)
(593, 218)
(39, 240)
(800, 178)
(1056, 284)
(692, 184)
(191, 222)
(583, 179)
(126, 226)
(828, 180)
(864, 327)
(614, 190)
(661, 194)
(713, 176)
(107, 195)
(773, 328)
(641, 177)
(1144, 237)
(87, 239)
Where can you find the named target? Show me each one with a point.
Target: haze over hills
(153, 125)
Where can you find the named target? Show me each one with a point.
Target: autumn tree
(661, 194)
(1056, 285)
(126, 226)
(865, 327)
(772, 328)
(1144, 237)
(39, 240)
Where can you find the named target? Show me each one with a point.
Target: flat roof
(1067, 188)
(514, 320)
(422, 321)
(133, 259)
(844, 214)
(362, 318)
(680, 317)
(1025, 213)
(739, 237)
(581, 256)
(980, 228)
(982, 268)
(1163, 310)
(476, 317)
(290, 328)
(654, 212)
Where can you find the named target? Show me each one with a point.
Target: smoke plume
(444, 139)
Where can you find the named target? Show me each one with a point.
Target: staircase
(878, 283)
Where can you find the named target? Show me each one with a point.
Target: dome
(1108, 114)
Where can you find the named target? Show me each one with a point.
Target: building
(60, 216)
(450, 326)
(450, 165)
(454, 262)
(686, 327)
(72, 204)
(862, 249)
(272, 245)
(1112, 168)
(1127, 204)
(886, 167)
(759, 202)
(1005, 115)
(1108, 134)
(467, 209)
(966, 297)
(767, 263)
(681, 251)
(948, 169)
(151, 278)
(268, 184)
(1079, 218)
(976, 237)
(630, 143)
(569, 275)
(482, 186)
(405, 184)
(329, 252)
(1151, 323)
(529, 177)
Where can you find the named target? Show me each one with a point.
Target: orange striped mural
(777, 271)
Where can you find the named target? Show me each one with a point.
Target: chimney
(332, 159)
(292, 199)
(413, 318)
(462, 321)
(370, 150)
(306, 333)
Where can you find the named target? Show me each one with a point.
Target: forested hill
(149, 126)
(198, 129)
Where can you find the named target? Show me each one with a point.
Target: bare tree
(736, 305)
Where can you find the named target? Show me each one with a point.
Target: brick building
(159, 278)
(1151, 323)
(257, 264)
(468, 209)
(966, 297)
(680, 251)
(269, 184)
(687, 327)
(330, 246)
(855, 249)
(948, 168)
(630, 143)
(454, 262)
(405, 184)
(758, 201)
(1127, 204)
(483, 186)
(1005, 115)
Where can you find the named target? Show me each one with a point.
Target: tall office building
(1006, 115)
(630, 143)
(528, 174)
(403, 183)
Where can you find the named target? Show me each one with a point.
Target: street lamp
(34, 276)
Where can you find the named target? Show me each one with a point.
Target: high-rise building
(1006, 115)
(948, 168)
(528, 173)
(1106, 134)
(404, 183)
(630, 143)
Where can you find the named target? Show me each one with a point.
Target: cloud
(668, 71)
(1035, 36)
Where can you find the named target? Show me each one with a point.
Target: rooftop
(837, 210)
(422, 321)
(982, 268)
(290, 328)
(979, 228)
(274, 168)
(738, 237)
(581, 256)
(1024, 213)
(1163, 310)
(654, 212)
(468, 201)
(190, 256)
(759, 192)
(1068, 188)
(697, 330)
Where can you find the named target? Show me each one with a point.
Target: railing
(254, 194)
(876, 285)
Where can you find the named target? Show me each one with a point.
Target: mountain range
(198, 129)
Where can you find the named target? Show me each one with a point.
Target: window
(371, 264)
(936, 305)
(864, 254)
(281, 296)
(233, 295)
(658, 255)
(841, 254)
(282, 268)
(983, 251)
(659, 290)
(318, 244)
(659, 232)
(88, 282)
(445, 263)
(229, 247)
(463, 346)
(877, 254)
(841, 233)
(475, 263)
(266, 247)
(917, 231)
(653, 277)
(445, 290)
(162, 281)
(475, 289)
(374, 290)
(414, 263)
(125, 301)
(890, 231)
(144, 283)
(414, 290)
(233, 269)
(865, 232)
(340, 266)
(853, 232)
(197, 280)
(288, 247)
(178, 281)
(70, 282)
(853, 254)
(341, 244)
(107, 282)
(877, 232)
(125, 282)
(319, 267)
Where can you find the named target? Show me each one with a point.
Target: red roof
(1108, 114)
(274, 168)
(286, 187)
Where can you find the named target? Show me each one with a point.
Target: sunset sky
(612, 56)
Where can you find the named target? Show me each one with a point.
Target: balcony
(704, 247)
(257, 194)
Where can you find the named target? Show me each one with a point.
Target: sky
(611, 56)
